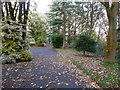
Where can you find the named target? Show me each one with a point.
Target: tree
(14, 32)
(37, 27)
(57, 40)
(17, 11)
(90, 15)
(0, 10)
(0, 43)
(112, 12)
(85, 43)
(0, 30)
(73, 18)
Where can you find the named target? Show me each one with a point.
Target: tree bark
(0, 46)
(20, 12)
(64, 25)
(26, 10)
(91, 19)
(111, 38)
(11, 10)
(7, 11)
(0, 10)
(0, 29)
(84, 53)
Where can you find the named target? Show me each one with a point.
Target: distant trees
(37, 28)
(74, 18)
(90, 13)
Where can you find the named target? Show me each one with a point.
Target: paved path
(46, 70)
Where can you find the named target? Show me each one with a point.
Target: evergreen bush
(85, 43)
(100, 48)
(57, 40)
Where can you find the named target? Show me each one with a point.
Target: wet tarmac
(44, 71)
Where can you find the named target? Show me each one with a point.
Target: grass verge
(110, 65)
(66, 50)
(103, 81)
(107, 78)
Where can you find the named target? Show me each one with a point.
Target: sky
(43, 5)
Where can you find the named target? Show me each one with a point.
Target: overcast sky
(43, 5)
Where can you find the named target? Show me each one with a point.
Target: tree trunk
(6, 8)
(0, 10)
(11, 10)
(20, 12)
(91, 19)
(26, 11)
(84, 53)
(64, 26)
(111, 38)
(74, 37)
(0, 46)
(0, 30)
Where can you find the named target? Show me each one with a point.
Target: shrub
(73, 44)
(100, 48)
(14, 45)
(40, 44)
(32, 43)
(16, 57)
(10, 47)
(24, 56)
(85, 43)
(57, 40)
(9, 58)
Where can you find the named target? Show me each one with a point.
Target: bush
(9, 58)
(32, 43)
(57, 40)
(16, 57)
(24, 56)
(100, 48)
(14, 45)
(85, 43)
(40, 44)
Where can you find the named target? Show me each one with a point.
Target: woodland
(86, 33)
